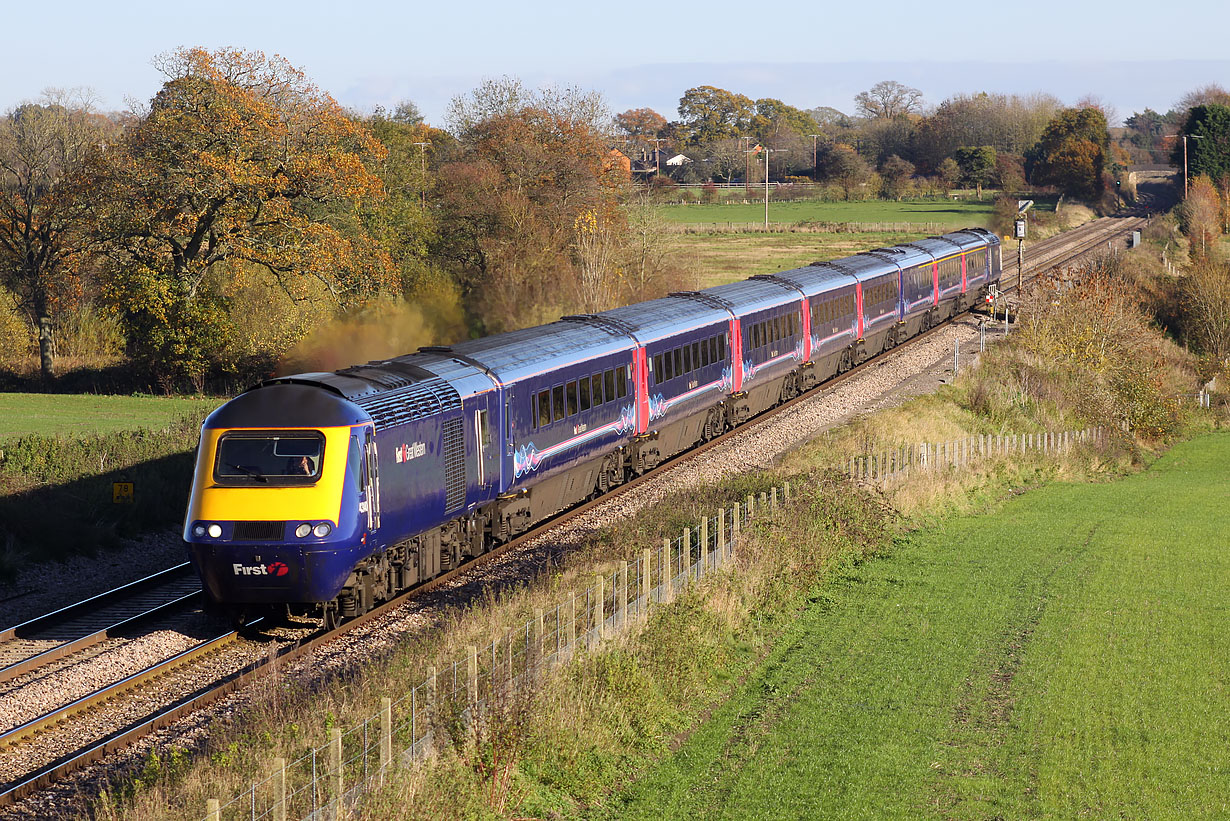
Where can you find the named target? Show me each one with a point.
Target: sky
(807, 54)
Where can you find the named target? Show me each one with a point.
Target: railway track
(68, 633)
(1042, 256)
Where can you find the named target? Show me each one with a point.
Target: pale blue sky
(808, 54)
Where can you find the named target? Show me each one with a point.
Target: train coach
(327, 493)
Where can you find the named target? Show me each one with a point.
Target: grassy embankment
(1061, 655)
(742, 639)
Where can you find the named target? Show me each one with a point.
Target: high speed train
(327, 493)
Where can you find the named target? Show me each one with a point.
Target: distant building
(678, 160)
(617, 162)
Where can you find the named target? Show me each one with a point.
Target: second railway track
(45, 762)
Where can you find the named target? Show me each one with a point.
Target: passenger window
(557, 403)
(570, 391)
(695, 356)
(777, 328)
(610, 385)
(678, 356)
(704, 352)
(544, 408)
(687, 358)
(713, 354)
(583, 386)
(657, 369)
(621, 382)
(722, 348)
(756, 335)
(596, 383)
(668, 367)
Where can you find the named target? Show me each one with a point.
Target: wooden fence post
(279, 789)
(472, 675)
(704, 544)
(386, 735)
(599, 601)
(335, 770)
(571, 616)
(668, 585)
(622, 600)
(213, 810)
(646, 566)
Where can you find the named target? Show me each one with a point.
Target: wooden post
(540, 634)
(622, 602)
(599, 602)
(773, 498)
(764, 499)
(685, 554)
(704, 544)
(386, 734)
(279, 789)
(213, 810)
(786, 491)
(429, 708)
(668, 586)
(335, 770)
(571, 617)
(472, 675)
(736, 527)
(751, 505)
(646, 566)
(721, 534)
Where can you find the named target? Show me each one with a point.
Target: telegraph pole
(813, 155)
(766, 188)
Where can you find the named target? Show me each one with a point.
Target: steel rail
(56, 770)
(88, 609)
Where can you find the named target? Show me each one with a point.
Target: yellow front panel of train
(252, 503)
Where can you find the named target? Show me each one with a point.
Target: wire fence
(900, 462)
(329, 781)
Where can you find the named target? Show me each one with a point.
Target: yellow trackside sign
(122, 493)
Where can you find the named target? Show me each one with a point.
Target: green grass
(954, 213)
(1063, 657)
(74, 414)
(726, 257)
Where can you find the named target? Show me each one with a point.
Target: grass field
(722, 258)
(956, 213)
(1063, 657)
(67, 414)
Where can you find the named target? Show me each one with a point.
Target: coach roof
(516, 355)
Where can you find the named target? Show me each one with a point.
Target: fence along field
(447, 700)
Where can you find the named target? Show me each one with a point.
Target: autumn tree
(888, 99)
(640, 123)
(239, 161)
(895, 173)
(1200, 216)
(1210, 94)
(528, 164)
(842, 166)
(707, 113)
(1011, 124)
(1071, 153)
(773, 118)
(43, 147)
(1205, 301)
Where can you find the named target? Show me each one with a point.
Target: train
(325, 494)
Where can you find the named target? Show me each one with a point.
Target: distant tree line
(205, 235)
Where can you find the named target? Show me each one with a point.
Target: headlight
(198, 531)
(215, 531)
(323, 529)
(303, 530)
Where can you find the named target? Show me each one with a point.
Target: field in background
(81, 414)
(1064, 657)
(726, 257)
(956, 213)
